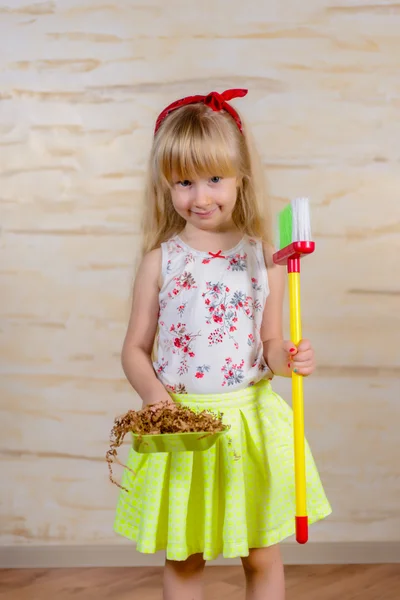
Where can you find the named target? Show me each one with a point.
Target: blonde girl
(206, 330)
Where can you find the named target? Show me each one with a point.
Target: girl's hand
(283, 357)
(301, 359)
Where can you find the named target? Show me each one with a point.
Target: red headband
(214, 100)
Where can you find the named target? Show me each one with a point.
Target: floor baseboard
(126, 556)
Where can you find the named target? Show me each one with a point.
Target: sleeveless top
(211, 309)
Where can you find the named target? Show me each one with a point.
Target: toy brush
(294, 242)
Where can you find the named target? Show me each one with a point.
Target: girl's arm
(271, 328)
(281, 356)
(142, 327)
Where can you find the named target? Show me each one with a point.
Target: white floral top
(211, 308)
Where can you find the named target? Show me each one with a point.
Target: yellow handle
(297, 399)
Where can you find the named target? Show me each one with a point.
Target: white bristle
(301, 220)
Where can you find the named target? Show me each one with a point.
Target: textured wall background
(80, 86)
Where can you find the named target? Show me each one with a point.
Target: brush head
(294, 223)
(294, 231)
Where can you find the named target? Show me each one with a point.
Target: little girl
(206, 331)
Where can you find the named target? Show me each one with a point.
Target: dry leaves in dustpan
(164, 418)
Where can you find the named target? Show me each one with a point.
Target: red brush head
(290, 255)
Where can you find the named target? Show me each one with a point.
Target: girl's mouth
(204, 215)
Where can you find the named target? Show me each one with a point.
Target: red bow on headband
(214, 100)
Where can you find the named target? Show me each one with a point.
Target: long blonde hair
(195, 141)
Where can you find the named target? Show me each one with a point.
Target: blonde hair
(195, 141)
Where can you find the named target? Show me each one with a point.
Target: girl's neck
(211, 241)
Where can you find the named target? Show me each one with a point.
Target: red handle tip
(301, 530)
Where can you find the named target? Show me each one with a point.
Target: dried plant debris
(166, 417)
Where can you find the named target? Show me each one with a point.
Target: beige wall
(80, 89)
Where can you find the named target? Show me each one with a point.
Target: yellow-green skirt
(237, 495)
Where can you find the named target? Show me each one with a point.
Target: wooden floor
(331, 582)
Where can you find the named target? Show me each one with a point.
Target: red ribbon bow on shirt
(214, 100)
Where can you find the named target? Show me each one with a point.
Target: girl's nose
(201, 198)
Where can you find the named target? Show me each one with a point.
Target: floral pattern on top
(183, 282)
(210, 315)
(233, 373)
(223, 309)
(181, 342)
(180, 388)
(238, 262)
(202, 370)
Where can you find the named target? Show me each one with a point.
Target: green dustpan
(175, 442)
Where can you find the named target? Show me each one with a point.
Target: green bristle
(294, 224)
(285, 223)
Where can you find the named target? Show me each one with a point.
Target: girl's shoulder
(268, 251)
(173, 245)
(151, 265)
(264, 248)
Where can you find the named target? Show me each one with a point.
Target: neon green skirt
(237, 495)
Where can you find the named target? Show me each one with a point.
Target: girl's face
(205, 203)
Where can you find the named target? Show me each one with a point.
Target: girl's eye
(184, 183)
(215, 179)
